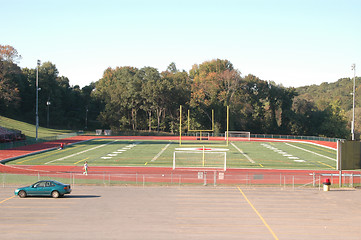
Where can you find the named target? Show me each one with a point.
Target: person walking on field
(85, 168)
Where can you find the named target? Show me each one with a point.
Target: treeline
(132, 99)
(69, 105)
(144, 99)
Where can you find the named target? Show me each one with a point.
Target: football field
(159, 153)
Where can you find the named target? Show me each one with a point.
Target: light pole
(86, 118)
(47, 117)
(37, 100)
(353, 67)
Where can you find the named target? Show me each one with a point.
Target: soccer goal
(199, 159)
(238, 134)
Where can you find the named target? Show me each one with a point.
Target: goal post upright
(227, 125)
(201, 131)
(180, 125)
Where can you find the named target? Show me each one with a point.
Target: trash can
(326, 185)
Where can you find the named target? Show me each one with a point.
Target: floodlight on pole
(353, 67)
(37, 99)
(48, 103)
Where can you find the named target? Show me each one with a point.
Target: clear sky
(291, 42)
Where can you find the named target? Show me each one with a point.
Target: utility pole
(353, 67)
(37, 100)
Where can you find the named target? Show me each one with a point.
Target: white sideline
(311, 152)
(59, 159)
(160, 153)
(239, 150)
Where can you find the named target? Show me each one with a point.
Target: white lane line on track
(239, 150)
(310, 151)
(160, 153)
(75, 154)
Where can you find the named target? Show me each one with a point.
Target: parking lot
(97, 212)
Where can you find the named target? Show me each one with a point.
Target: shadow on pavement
(82, 196)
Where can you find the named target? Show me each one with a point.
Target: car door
(39, 188)
(49, 186)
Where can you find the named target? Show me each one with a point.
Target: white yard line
(311, 152)
(75, 154)
(239, 150)
(160, 153)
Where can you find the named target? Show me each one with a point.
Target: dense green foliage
(128, 98)
(336, 96)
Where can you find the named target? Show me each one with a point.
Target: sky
(291, 42)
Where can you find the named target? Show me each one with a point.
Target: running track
(160, 174)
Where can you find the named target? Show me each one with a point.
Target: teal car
(44, 188)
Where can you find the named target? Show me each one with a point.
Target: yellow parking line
(81, 160)
(259, 215)
(7, 199)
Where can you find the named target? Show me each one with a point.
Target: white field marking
(75, 154)
(239, 150)
(289, 156)
(160, 153)
(311, 152)
(114, 154)
(293, 141)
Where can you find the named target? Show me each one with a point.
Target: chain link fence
(206, 178)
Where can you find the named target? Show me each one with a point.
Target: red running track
(160, 174)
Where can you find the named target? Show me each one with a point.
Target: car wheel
(22, 194)
(55, 194)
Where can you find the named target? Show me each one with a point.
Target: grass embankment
(29, 129)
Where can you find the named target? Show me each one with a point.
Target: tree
(286, 106)
(9, 53)
(178, 92)
(213, 87)
(10, 75)
(152, 89)
(334, 124)
(119, 90)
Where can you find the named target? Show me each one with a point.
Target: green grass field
(112, 152)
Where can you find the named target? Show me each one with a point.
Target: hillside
(29, 129)
(338, 92)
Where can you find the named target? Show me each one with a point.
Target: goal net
(201, 158)
(238, 134)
